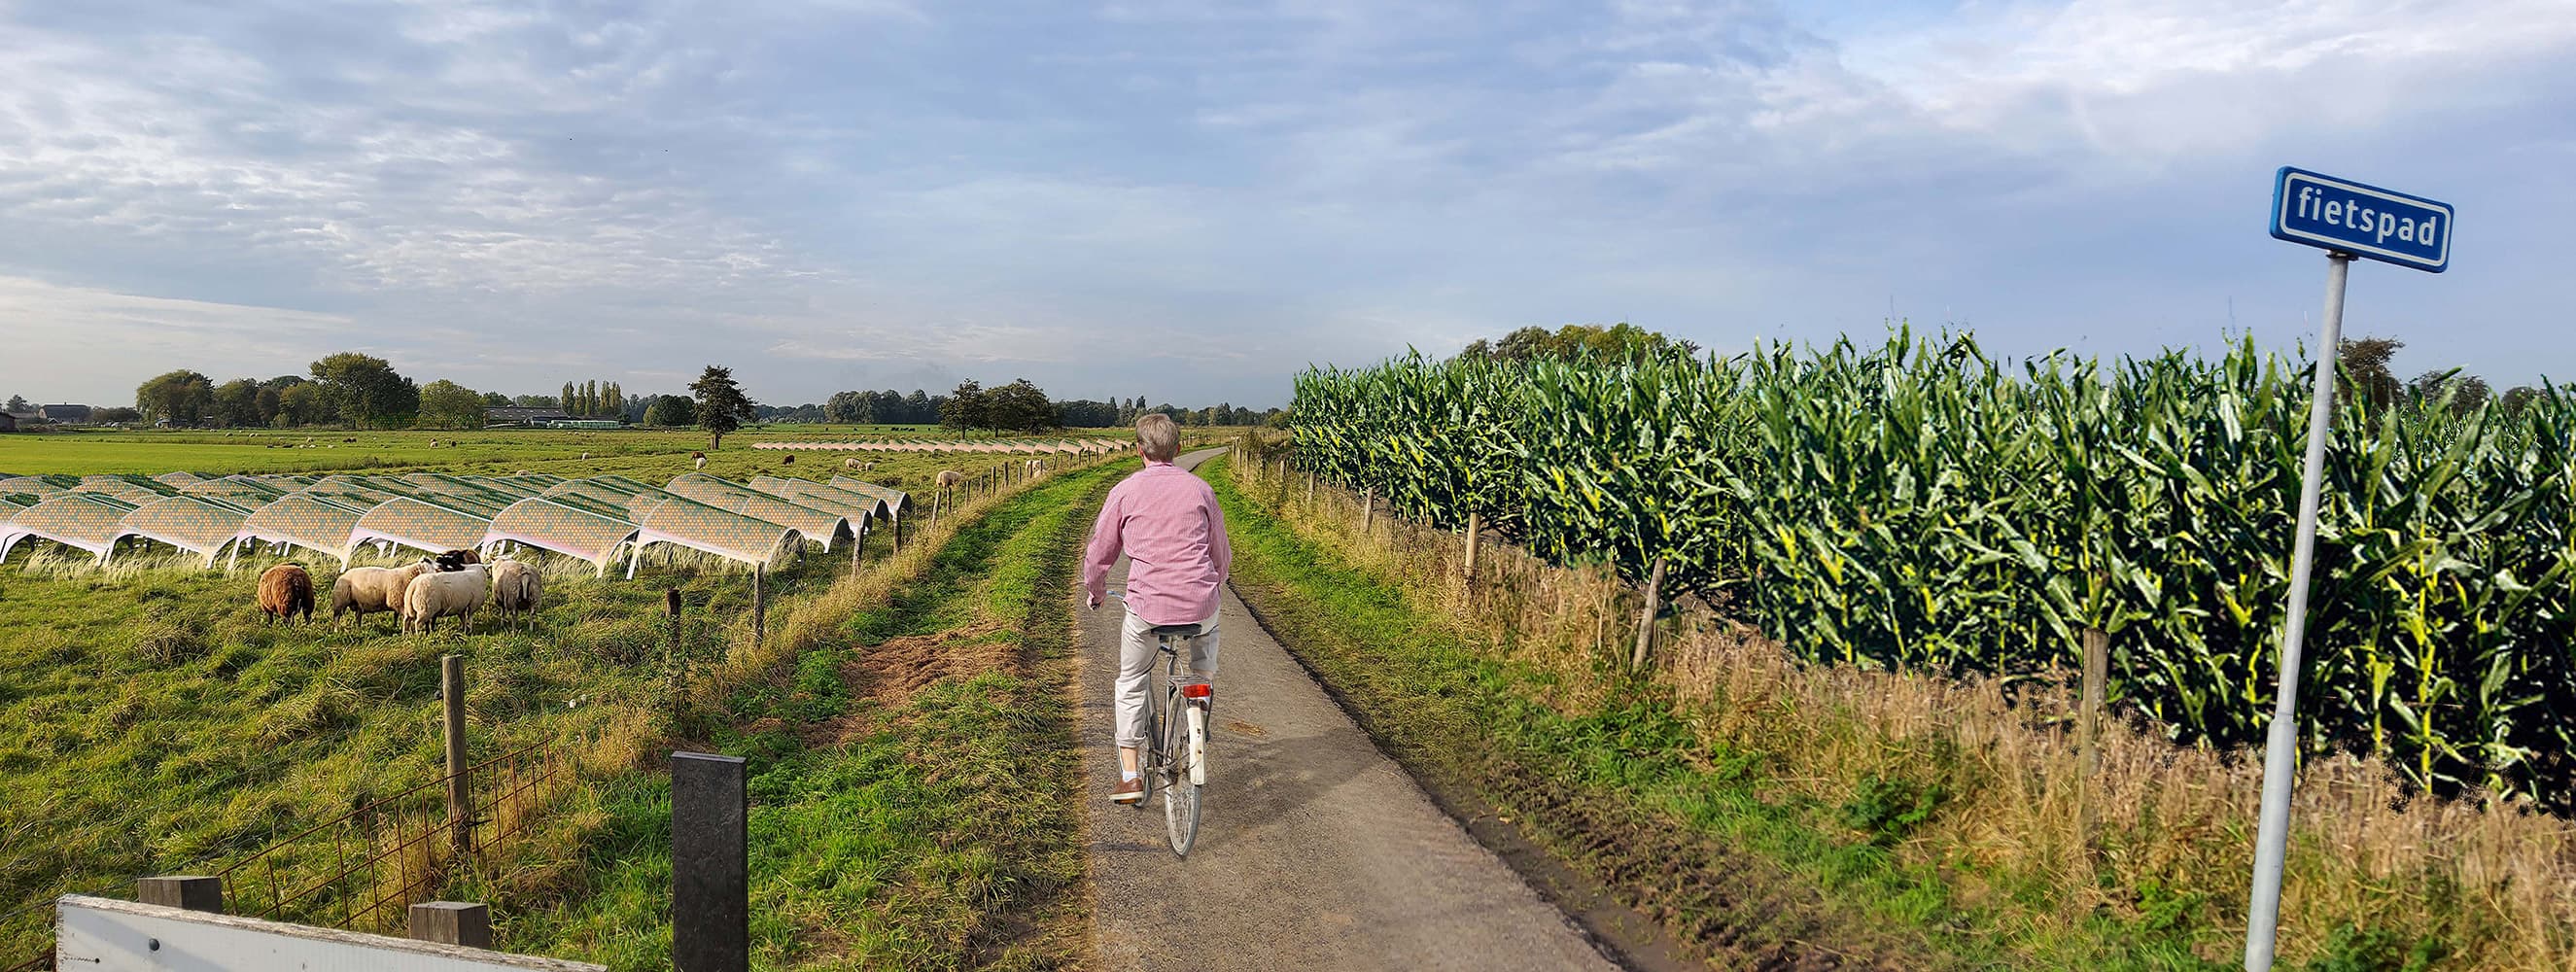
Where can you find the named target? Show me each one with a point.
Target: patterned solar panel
(87, 521)
(816, 524)
(419, 525)
(564, 529)
(201, 525)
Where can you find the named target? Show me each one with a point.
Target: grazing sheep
(285, 590)
(789, 461)
(455, 560)
(700, 458)
(516, 589)
(522, 472)
(368, 590)
(949, 478)
(1036, 468)
(850, 464)
(436, 595)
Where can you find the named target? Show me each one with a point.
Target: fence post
(898, 531)
(1646, 620)
(1368, 510)
(191, 892)
(672, 660)
(710, 879)
(2088, 722)
(460, 800)
(1310, 487)
(467, 923)
(1475, 525)
(759, 604)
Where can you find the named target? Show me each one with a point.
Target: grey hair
(1160, 439)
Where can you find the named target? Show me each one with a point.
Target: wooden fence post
(673, 662)
(759, 604)
(1310, 487)
(464, 923)
(460, 798)
(1646, 620)
(2088, 726)
(1475, 525)
(1368, 510)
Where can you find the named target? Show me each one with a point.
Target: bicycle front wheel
(1180, 791)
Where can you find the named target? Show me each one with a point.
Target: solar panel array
(600, 519)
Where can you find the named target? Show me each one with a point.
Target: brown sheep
(789, 461)
(284, 591)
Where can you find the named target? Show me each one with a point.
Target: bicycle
(1175, 759)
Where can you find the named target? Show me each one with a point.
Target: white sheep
(436, 595)
(516, 589)
(701, 460)
(368, 590)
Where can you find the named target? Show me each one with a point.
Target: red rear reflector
(1197, 690)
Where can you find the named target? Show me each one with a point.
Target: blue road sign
(2363, 220)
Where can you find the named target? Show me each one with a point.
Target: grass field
(149, 724)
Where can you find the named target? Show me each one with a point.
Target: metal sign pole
(2281, 754)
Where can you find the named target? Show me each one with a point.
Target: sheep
(523, 472)
(789, 461)
(455, 560)
(367, 590)
(285, 590)
(850, 464)
(949, 478)
(1036, 467)
(436, 595)
(516, 589)
(700, 458)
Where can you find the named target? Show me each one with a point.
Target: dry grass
(2496, 882)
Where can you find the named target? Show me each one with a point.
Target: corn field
(1920, 505)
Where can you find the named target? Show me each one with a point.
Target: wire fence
(364, 869)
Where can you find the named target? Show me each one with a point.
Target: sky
(1192, 201)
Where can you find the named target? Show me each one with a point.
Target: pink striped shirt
(1167, 523)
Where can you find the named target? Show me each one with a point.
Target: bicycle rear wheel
(1180, 795)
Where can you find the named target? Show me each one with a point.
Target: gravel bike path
(1315, 851)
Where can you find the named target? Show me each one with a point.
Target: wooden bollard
(192, 892)
(1368, 510)
(2088, 726)
(466, 923)
(1475, 525)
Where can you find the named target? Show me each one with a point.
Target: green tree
(304, 403)
(2365, 371)
(846, 408)
(236, 403)
(964, 409)
(1622, 340)
(18, 403)
(721, 405)
(1020, 406)
(496, 400)
(571, 400)
(447, 405)
(366, 390)
(118, 414)
(671, 411)
(179, 397)
(2517, 398)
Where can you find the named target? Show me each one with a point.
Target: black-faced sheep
(517, 589)
(284, 591)
(439, 594)
(455, 560)
(368, 590)
(699, 458)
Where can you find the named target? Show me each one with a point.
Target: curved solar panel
(132, 489)
(677, 520)
(563, 528)
(895, 499)
(319, 523)
(87, 521)
(200, 525)
(823, 496)
(816, 524)
(420, 525)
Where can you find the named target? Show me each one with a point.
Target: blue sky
(1190, 201)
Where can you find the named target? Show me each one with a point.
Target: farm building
(533, 417)
(66, 414)
(8, 422)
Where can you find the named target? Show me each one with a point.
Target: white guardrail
(107, 935)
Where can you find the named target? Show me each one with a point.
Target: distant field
(276, 451)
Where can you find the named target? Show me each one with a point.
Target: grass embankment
(150, 724)
(1778, 815)
(912, 769)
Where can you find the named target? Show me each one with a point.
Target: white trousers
(1140, 661)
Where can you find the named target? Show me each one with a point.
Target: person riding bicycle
(1167, 523)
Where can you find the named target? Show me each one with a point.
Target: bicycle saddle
(1176, 631)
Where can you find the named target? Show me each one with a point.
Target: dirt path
(1317, 852)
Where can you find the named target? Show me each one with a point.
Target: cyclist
(1167, 523)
